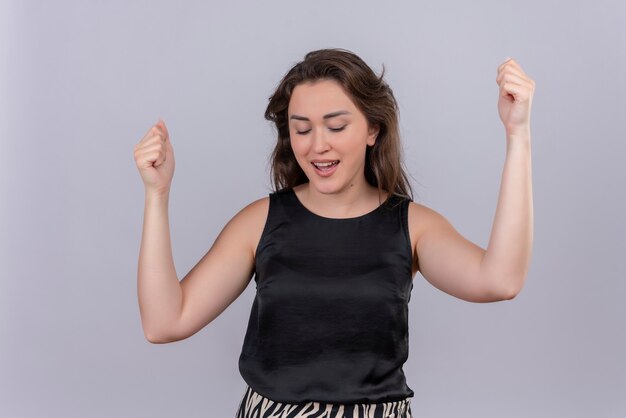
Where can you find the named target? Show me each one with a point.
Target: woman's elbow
(512, 291)
(155, 338)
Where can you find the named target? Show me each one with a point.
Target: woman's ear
(373, 134)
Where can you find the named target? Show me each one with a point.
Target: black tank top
(329, 322)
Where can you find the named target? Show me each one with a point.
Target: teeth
(325, 164)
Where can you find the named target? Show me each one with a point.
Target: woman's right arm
(172, 310)
(158, 288)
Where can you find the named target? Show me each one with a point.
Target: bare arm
(460, 267)
(158, 288)
(507, 258)
(463, 269)
(508, 254)
(173, 310)
(223, 273)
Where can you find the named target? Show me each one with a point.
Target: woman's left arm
(507, 257)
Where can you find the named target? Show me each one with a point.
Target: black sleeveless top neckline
(329, 321)
(372, 212)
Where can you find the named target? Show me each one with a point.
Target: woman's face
(325, 125)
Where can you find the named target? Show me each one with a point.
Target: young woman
(334, 248)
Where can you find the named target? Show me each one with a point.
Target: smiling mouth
(325, 165)
(326, 169)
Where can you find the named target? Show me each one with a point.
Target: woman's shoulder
(422, 219)
(253, 216)
(421, 215)
(256, 211)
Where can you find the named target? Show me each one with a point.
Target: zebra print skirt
(255, 405)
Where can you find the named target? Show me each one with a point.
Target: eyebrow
(330, 115)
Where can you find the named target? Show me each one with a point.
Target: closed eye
(332, 129)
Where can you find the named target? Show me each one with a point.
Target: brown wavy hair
(371, 95)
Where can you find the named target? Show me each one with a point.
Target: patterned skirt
(253, 404)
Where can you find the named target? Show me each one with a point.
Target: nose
(320, 141)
